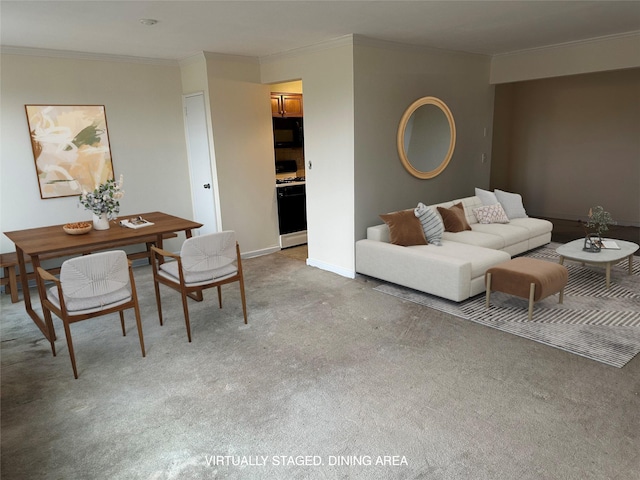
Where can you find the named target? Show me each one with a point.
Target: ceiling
(263, 28)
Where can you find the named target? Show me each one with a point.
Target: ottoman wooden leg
(488, 286)
(561, 299)
(532, 294)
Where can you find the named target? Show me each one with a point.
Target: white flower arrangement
(104, 199)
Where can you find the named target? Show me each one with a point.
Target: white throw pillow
(431, 223)
(491, 214)
(512, 204)
(486, 197)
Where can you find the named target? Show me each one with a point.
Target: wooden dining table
(53, 242)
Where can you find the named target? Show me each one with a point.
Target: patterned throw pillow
(431, 223)
(491, 214)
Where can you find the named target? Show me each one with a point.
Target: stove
(290, 180)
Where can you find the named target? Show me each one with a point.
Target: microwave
(287, 132)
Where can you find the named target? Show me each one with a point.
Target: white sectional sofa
(455, 269)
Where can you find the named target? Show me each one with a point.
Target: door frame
(212, 158)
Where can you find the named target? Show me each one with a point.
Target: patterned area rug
(596, 323)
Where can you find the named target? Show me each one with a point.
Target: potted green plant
(597, 223)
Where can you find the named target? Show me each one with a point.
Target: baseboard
(261, 252)
(331, 268)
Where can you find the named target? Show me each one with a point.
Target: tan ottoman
(527, 278)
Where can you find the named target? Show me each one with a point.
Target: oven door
(292, 209)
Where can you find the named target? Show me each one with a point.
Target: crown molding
(72, 55)
(575, 43)
(345, 40)
(365, 41)
(230, 57)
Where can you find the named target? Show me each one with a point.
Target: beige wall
(243, 144)
(144, 114)
(570, 143)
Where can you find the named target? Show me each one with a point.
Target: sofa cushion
(512, 204)
(491, 214)
(454, 218)
(510, 234)
(476, 237)
(535, 226)
(431, 223)
(486, 197)
(404, 228)
(480, 258)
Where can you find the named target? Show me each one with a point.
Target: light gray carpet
(593, 321)
(327, 368)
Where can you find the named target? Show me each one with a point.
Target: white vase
(100, 222)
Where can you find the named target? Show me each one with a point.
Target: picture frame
(71, 149)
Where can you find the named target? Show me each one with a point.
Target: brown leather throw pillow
(404, 228)
(454, 219)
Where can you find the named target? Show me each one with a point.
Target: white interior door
(203, 189)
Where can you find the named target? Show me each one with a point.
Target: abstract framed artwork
(70, 148)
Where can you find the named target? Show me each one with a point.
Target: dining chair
(90, 286)
(205, 261)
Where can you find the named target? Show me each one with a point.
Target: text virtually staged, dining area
(384, 245)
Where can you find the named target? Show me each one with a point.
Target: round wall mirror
(426, 137)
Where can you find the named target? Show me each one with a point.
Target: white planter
(100, 222)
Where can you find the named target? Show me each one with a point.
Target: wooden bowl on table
(77, 228)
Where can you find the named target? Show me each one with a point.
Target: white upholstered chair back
(208, 252)
(95, 275)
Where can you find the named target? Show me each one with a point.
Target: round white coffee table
(607, 256)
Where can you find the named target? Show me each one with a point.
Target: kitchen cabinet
(286, 104)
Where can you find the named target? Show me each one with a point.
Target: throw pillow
(431, 223)
(512, 204)
(404, 228)
(486, 197)
(454, 219)
(491, 214)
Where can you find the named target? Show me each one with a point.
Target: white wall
(144, 113)
(326, 72)
(388, 78)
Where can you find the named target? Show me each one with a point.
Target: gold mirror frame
(400, 139)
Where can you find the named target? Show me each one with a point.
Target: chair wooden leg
(136, 308)
(244, 300)
(185, 309)
(72, 356)
(124, 332)
(158, 303)
(219, 296)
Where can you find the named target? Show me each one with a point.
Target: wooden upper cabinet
(286, 104)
